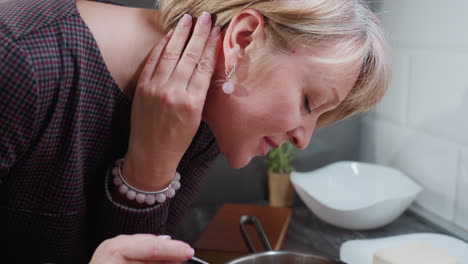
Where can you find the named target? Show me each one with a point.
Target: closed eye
(307, 105)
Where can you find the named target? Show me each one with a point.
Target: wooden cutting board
(221, 240)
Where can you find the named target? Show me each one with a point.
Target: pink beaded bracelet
(141, 196)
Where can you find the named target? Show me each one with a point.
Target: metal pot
(273, 256)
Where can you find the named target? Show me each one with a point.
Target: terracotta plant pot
(281, 192)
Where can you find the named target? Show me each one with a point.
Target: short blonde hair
(310, 22)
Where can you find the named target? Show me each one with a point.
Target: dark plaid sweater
(63, 121)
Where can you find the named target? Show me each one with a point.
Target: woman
(97, 124)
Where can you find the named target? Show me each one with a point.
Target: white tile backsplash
(432, 162)
(438, 94)
(381, 141)
(393, 106)
(461, 215)
(430, 24)
(421, 126)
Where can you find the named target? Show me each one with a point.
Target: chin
(238, 161)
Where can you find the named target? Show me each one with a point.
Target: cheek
(270, 103)
(274, 117)
(276, 107)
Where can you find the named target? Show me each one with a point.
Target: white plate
(361, 251)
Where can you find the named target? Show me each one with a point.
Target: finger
(147, 247)
(174, 48)
(153, 58)
(201, 78)
(193, 52)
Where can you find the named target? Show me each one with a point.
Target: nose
(300, 137)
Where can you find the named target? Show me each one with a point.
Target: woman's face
(276, 98)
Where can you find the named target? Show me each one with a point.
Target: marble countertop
(309, 234)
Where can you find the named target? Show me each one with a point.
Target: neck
(125, 37)
(141, 34)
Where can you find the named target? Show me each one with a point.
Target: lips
(267, 144)
(271, 142)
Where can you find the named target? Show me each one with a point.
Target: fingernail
(190, 252)
(169, 34)
(215, 32)
(186, 20)
(165, 237)
(205, 18)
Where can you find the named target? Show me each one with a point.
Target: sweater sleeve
(115, 218)
(18, 97)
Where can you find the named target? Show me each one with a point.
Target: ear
(245, 32)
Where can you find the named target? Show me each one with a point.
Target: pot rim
(283, 252)
(252, 220)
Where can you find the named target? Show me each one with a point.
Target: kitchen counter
(307, 233)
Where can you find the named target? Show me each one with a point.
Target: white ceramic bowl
(356, 195)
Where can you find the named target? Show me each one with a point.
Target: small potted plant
(281, 193)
